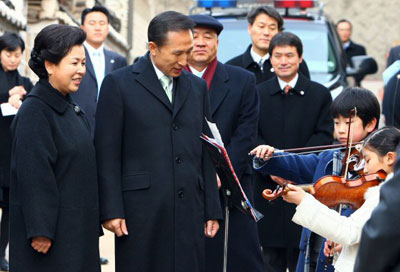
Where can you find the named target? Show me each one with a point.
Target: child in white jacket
(379, 152)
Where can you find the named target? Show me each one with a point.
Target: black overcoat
(53, 190)
(302, 118)
(379, 249)
(234, 108)
(5, 123)
(153, 169)
(246, 61)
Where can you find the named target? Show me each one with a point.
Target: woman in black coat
(13, 88)
(54, 209)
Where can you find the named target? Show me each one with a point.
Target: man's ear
(153, 48)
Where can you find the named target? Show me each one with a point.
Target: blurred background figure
(13, 88)
(344, 29)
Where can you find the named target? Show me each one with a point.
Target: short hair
(165, 22)
(344, 21)
(101, 9)
(10, 41)
(53, 43)
(270, 11)
(286, 39)
(364, 100)
(383, 140)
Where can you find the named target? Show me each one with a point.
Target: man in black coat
(158, 188)
(99, 61)
(391, 102)
(379, 249)
(344, 29)
(394, 55)
(264, 23)
(234, 108)
(294, 112)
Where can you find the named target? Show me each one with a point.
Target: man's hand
(15, 100)
(294, 195)
(41, 244)
(264, 152)
(17, 90)
(116, 225)
(211, 228)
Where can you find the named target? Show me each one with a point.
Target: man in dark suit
(379, 249)
(344, 29)
(294, 112)
(264, 23)
(394, 55)
(156, 180)
(234, 108)
(99, 61)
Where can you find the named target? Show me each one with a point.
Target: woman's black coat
(53, 189)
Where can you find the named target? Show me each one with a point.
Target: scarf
(209, 73)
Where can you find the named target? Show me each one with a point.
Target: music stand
(232, 191)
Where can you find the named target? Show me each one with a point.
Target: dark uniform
(301, 118)
(54, 190)
(355, 50)
(246, 61)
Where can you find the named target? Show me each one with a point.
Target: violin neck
(309, 188)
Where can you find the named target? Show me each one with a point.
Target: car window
(318, 51)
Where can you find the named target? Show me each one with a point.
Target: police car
(322, 47)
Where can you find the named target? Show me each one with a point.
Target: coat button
(178, 160)
(181, 194)
(175, 127)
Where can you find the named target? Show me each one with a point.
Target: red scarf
(209, 73)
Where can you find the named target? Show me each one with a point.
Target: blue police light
(216, 3)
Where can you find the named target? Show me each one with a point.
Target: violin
(334, 190)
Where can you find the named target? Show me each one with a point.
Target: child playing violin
(303, 169)
(379, 152)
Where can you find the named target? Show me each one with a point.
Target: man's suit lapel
(218, 89)
(89, 66)
(181, 92)
(109, 62)
(148, 78)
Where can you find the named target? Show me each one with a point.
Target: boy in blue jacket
(303, 169)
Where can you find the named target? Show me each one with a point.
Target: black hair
(363, 100)
(286, 39)
(165, 22)
(383, 140)
(10, 41)
(270, 11)
(102, 9)
(53, 43)
(344, 21)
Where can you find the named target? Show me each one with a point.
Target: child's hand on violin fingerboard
(264, 152)
(295, 194)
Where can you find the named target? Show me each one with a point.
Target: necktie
(98, 67)
(261, 64)
(287, 88)
(165, 83)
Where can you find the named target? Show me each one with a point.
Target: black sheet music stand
(234, 196)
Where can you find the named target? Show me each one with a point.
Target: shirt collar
(346, 45)
(256, 57)
(92, 50)
(159, 73)
(196, 72)
(292, 83)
